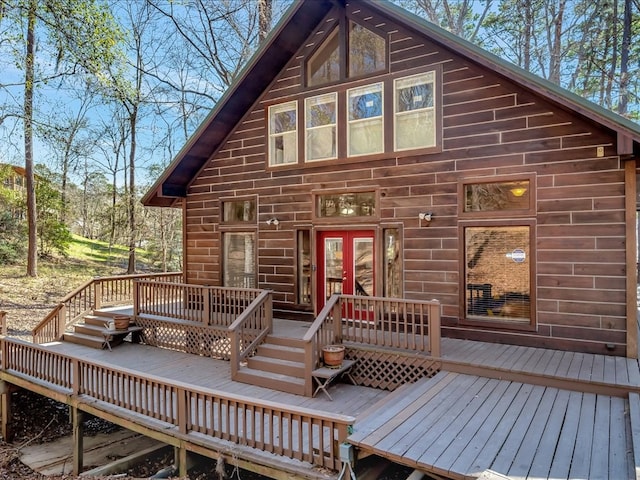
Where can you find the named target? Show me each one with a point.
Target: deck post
(180, 459)
(78, 440)
(97, 294)
(337, 321)
(62, 320)
(3, 322)
(434, 328)
(5, 406)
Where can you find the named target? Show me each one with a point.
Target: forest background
(98, 96)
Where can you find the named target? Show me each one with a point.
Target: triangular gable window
(366, 54)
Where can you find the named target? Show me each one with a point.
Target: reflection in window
(239, 211)
(361, 204)
(415, 120)
(497, 272)
(367, 51)
(365, 129)
(392, 264)
(496, 196)
(320, 127)
(324, 65)
(239, 259)
(363, 266)
(283, 138)
(304, 267)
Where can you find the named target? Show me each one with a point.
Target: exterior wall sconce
(426, 216)
(273, 221)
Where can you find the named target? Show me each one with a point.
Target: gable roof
(296, 25)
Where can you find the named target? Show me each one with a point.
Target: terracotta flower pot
(121, 322)
(333, 355)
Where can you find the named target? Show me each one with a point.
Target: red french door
(345, 264)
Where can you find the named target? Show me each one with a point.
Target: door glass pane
(333, 266)
(497, 273)
(239, 260)
(363, 266)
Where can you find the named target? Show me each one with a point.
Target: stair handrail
(325, 330)
(89, 296)
(250, 329)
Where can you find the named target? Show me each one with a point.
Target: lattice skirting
(389, 370)
(189, 338)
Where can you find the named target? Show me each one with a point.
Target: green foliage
(53, 235)
(12, 234)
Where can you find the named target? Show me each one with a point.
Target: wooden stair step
(283, 352)
(274, 381)
(97, 320)
(285, 341)
(90, 329)
(86, 340)
(276, 365)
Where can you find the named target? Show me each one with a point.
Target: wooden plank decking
(458, 426)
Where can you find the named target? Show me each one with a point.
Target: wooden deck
(459, 426)
(519, 411)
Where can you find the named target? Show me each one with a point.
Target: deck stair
(91, 332)
(278, 364)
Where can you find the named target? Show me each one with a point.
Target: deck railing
(94, 294)
(250, 329)
(392, 322)
(297, 433)
(397, 323)
(215, 306)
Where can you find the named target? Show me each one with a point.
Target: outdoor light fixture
(426, 216)
(273, 221)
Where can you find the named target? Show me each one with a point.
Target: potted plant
(333, 355)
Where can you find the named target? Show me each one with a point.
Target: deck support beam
(5, 407)
(77, 416)
(180, 459)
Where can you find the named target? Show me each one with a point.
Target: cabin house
(461, 230)
(366, 151)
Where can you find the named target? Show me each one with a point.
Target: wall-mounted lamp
(273, 221)
(426, 216)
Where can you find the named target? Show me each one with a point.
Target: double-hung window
(414, 112)
(283, 133)
(320, 127)
(365, 125)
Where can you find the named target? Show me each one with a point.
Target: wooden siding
(490, 127)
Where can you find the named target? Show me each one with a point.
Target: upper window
(364, 51)
(365, 131)
(367, 51)
(414, 112)
(324, 65)
(283, 133)
(320, 127)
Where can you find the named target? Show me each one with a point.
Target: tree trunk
(265, 10)
(131, 267)
(624, 59)
(32, 254)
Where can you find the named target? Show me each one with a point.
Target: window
(283, 136)
(324, 65)
(414, 112)
(332, 205)
(304, 266)
(239, 211)
(392, 283)
(367, 51)
(320, 127)
(239, 259)
(497, 273)
(365, 134)
(509, 196)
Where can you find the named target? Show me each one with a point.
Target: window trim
(271, 136)
(319, 220)
(464, 320)
(226, 223)
(493, 214)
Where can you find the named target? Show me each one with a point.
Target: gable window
(320, 127)
(283, 133)
(414, 112)
(324, 65)
(365, 126)
(367, 51)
